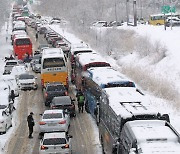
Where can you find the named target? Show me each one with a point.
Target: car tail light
(46, 95)
(72, 106)
(43, 147)
(67, 81)
(66, 146)
(62, 122)
(42, 82)
(42, 123)
(66, 93)
(53, 107)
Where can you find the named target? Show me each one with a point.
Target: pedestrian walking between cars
(80, 99)
(31, 124)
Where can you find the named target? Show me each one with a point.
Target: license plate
(51, 124)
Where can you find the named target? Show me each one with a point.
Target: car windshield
(2, 106)
(52, 115)
(54, 141)
(11, 63)
(55, 88)
(26, 76)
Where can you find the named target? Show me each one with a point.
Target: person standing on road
(80, 99)
(12, 96)
(31, 124)
(36, 36)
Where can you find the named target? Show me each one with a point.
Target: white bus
(53, 66)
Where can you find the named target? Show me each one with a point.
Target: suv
(65, 103)
(53, 90)
(27, 81)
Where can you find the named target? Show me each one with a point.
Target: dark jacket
(30, 121)
(12, 96)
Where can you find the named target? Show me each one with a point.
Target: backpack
(81, 99)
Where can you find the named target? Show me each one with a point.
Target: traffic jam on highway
(125, 122)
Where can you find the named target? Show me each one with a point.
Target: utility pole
(115, 10)
(164, 18)
(135, 12)
(127, 11)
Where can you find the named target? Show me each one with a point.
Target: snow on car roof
(126, 102)
(101, 77)
(53, 111)
(63, 100)
(54, 135)
(90, 57)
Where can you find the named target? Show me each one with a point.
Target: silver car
(57, 143)
(36, 66)
(54, 121)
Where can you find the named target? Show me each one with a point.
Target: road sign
(168, 9)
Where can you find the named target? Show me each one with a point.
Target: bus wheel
(158, 24)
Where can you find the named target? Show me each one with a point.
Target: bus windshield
(24, 41)
(53, 62)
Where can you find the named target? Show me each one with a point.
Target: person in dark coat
(31, 124)
(36, 36)
(12, 96)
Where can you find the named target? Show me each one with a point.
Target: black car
(65, 103)
(53, 90)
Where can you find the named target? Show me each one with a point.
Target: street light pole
(164, 18)
(135, 12)
(127, 11)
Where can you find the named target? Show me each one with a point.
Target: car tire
(6, 128)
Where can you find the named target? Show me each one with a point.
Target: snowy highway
(82, 126)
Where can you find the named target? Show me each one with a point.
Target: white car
(100, 24)
(17, 70)
(54, 121)
(11, 81)
(5, 118)
(9, 65)
(27, 82)
(57, 143)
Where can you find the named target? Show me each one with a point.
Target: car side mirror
(70, 136)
